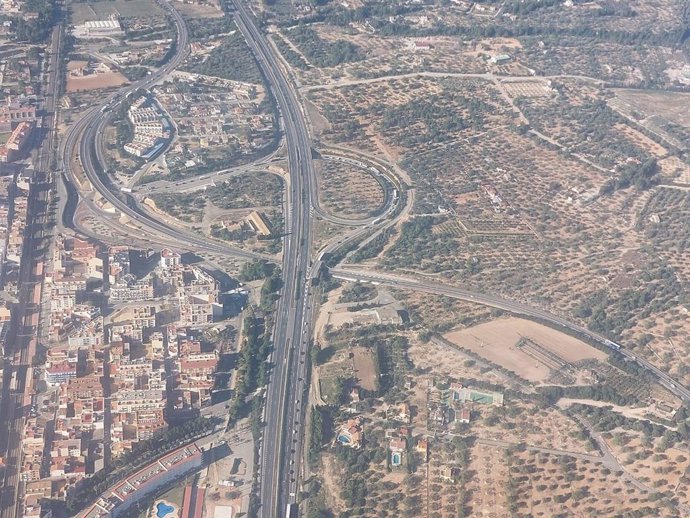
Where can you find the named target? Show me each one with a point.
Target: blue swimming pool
(163, 509)
(396, 459)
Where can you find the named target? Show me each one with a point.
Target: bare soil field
(453, 363)
(102, 9)
(364, 368)
(642, 140)
(210, 10)
(497, 341)
(527, 88)
(95, 82)
(674, 106)
(675, 169)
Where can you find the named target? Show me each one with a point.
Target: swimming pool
(396, 459)
(163, 509)
(344, 439)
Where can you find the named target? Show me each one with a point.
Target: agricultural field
(547, 165)
(348, 191)
(507, 211)
(579, 119)
(413, 115)
(543, 485)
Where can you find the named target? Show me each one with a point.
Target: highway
(284, 409)
(517, 308)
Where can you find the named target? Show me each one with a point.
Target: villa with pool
(350, 433)
(397, 448)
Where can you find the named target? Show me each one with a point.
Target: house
(450, 473)
(400, 413)
(500, 59)
(351, 433)
(422, 446)
(463, 415)
(397, 444)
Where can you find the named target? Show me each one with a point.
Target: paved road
(284, 406)
(513, 307)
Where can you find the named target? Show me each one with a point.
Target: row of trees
(252, 369)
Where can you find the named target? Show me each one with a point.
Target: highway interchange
(281, 450)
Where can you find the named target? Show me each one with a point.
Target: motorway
(284, 408)
(517, 308)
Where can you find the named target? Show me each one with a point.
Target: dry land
(95, 82)
(533, 351)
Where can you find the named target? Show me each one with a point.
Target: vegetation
(36, 30)
(232, 59)
(357, 292)
(247, 190)
(320, 52)
(259, 269)
(252, 370)
(375, 246)
(205, 28)
(658, 290)
(187, 207)
(292, 57)
(642, 176)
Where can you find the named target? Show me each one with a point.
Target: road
(518, 308)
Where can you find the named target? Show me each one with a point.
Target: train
(612, 345)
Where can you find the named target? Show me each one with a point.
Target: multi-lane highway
(357, 275)
(284, 407)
